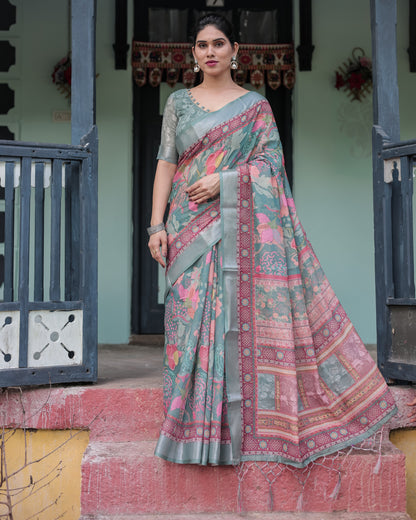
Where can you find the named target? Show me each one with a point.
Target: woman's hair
(218, 21)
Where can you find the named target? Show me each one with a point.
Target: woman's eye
(219, 44)
(201, 45)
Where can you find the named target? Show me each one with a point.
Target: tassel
(377, 467)
(299, 504)
(336, 489)
(270, 497)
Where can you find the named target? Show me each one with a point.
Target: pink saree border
(313, 435)
(185, 238)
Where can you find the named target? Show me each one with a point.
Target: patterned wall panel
(9, 339)
(55, 338)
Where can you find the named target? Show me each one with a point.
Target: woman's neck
(213, 83)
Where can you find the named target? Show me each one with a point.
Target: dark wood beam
(412, 35)
(120, 28)
(305, 49)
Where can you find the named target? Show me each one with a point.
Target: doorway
(161, 20)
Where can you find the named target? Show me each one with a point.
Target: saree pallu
(261, 360)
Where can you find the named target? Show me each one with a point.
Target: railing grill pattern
(48, 298)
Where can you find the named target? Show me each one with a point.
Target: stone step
(126, 478)
(110, 414)
(337, 515)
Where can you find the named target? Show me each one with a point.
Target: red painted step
(110, 414)
(128, 478)
(120, 475)
(339, 515)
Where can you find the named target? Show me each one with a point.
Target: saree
(261, 361)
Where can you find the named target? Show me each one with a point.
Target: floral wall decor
(354, 76)
(61, 75)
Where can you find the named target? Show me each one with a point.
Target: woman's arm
(158, 243)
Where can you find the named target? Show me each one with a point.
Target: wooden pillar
(386, 128)
(385, 86)
(83, 68)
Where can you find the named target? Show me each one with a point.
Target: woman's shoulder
(255, 96)
(179, 94)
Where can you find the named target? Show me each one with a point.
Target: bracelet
(155, 229)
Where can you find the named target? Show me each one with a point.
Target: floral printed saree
(261, 361)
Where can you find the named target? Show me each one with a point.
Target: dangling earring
(197, 68)
(234, 63)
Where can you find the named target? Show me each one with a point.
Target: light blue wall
(332, 156)
(332, 161)
(41, 38)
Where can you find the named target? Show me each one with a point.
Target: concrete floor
(140, 364)
(130, 366)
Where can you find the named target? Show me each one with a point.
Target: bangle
(155, 229)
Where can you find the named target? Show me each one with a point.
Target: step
(127, 478)
(337, 515)
(110, 414)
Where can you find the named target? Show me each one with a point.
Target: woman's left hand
(206, 188)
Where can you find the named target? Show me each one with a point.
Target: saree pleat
(261, 360)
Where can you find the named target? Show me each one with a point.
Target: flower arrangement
(355, 75)
(61, 75)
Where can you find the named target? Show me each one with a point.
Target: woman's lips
(211, 63)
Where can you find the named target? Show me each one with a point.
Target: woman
(261, 361)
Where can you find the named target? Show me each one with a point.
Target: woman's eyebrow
(216, 40)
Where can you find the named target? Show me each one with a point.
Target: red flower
(356, 81)
(339, 81)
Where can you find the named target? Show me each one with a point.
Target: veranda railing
(48, 301)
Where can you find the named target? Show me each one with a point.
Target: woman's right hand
(158, 245)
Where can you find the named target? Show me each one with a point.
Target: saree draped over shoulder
(261, 361)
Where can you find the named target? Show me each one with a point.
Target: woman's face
(213, 51)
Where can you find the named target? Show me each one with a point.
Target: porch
(121, 478)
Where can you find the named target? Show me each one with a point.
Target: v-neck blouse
(181, 111)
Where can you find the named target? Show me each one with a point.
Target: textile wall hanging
(172, 62)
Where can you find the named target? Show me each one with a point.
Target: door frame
(146, 312)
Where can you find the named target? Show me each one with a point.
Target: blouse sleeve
(167, 149)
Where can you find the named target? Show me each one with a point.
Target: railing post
(386, 128)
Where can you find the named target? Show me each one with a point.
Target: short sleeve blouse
(167, 149)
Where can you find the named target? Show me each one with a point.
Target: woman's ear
(236, 47)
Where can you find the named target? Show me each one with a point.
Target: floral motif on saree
(261, 362)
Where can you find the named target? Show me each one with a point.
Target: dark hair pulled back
(218, 21)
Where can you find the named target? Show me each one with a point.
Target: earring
(234, 63)
(197, 68)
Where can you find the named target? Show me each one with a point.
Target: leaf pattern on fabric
(308, 386)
